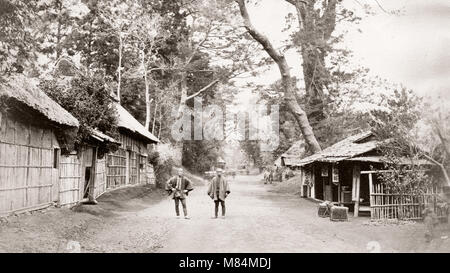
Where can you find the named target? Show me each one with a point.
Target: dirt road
(258, 220)
(262, 221)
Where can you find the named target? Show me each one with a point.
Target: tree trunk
(179, 145)
(312, 69)
(119, 68)
(288, 83)
(147, 92)
(154, 118)
(314, 33)
(58, 34)
(183, 91)
(160, 122)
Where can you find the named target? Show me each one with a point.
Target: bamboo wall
(70, 180)
(28, 178)
(100, 177)
(133, 168)
(116, 172)
(72, 177)
(389, 205)
(123, 167)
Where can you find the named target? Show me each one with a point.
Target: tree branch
(444, 171)
(201, 90)
(259, 37)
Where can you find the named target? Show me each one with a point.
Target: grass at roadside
(290, 186)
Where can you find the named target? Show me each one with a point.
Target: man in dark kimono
(218, 190)
(179, 186)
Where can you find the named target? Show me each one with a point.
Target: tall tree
(315, 28)
(17, 35)
(291, 96)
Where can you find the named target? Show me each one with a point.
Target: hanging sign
(324, 171)
(335, 175)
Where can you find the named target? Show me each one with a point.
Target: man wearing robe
(179, 187)
(218, 190)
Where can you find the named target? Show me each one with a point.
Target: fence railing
(388, 205)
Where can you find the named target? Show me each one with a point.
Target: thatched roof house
(349, 147)
(33, 130)
(129, 164)
(359, 147)
(296, 152)
(22, 93)
(127, 122)
(343, 173)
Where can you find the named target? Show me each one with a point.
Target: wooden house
(129, 164)
(284, 166)
(293, 154)
(85, 174)
(33, 131)
(345, 173)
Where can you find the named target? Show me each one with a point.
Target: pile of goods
(339, 213)
(333, 210)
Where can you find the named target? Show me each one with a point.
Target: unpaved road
(258, 220)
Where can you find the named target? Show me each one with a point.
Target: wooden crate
(338, 213)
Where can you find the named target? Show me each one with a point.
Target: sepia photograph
(236, 128)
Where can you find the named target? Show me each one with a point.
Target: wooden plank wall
(100, 177)
(134, 168)
(70, 180)
(28, 179)
(116, 169)
(116, 163)
(72, 177)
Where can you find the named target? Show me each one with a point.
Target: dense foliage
(89, 101)
(396, 126)
(157, 56)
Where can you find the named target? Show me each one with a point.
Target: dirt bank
(106, 227)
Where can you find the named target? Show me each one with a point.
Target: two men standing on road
(218, 190)
(179, 186)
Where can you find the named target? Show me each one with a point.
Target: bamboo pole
(356, 177)
(371, 196)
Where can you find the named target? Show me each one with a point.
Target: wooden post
(370, 195)
(91, 190)
(356, 184)
(127, 167)
(313, 182)
(302, 192)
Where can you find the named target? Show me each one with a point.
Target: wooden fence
(389, 205)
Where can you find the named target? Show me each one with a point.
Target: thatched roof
(277, 162)
(101, 137)
(128, 122)
(348, 148)
(379, 159)
(24, 90)
(295, 153)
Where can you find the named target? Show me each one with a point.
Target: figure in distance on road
(218, 190)
(179, 187)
